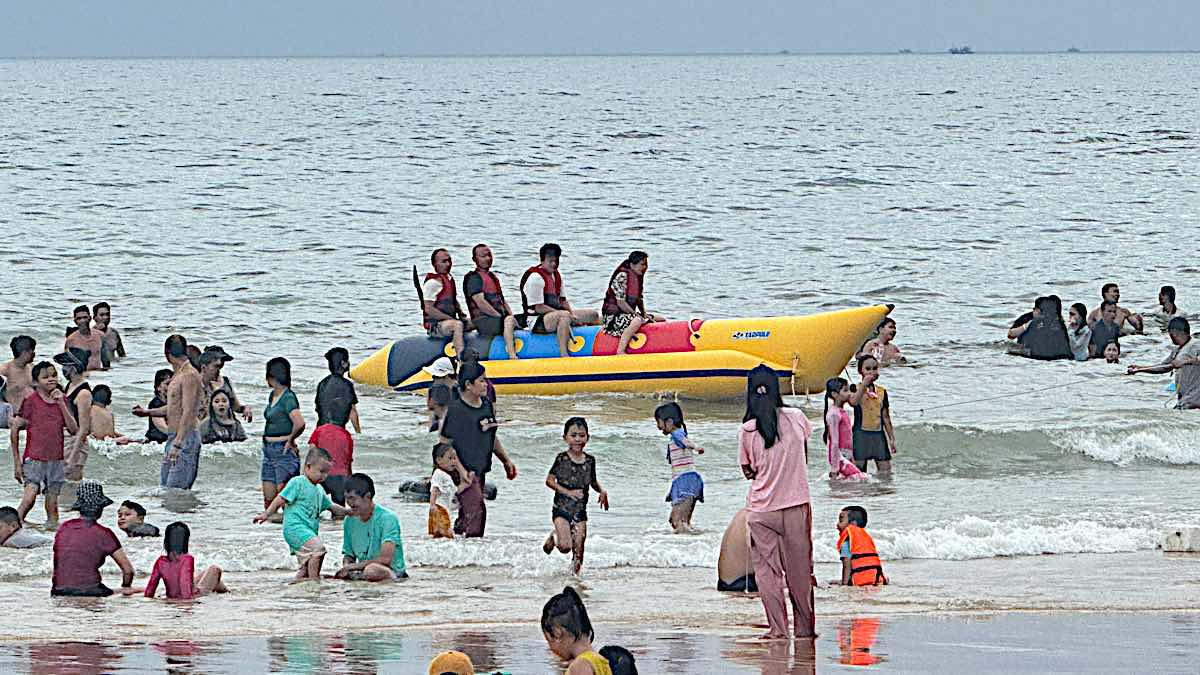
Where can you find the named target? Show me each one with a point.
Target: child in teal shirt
(305, 500)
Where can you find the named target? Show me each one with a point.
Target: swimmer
(1112, 352)
(1166, 300)
(1110, 292)
(1106, 329)
(83, 336)
(112, 346)
(18, 376)
(883, 348)
(104, 425)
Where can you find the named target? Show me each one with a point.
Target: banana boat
(705, 359)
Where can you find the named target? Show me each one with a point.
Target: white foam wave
(1125, 446)
(110, 450)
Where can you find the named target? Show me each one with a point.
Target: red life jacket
(633, 291)
(865, 567)
(492, 293)
(553, 288)
(446, 301)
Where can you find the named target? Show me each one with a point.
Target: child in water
(573, 472)
(305, 500)
(860, 560)
(176, 569)
(449, 478)
(569, 635)
(838, 432)
(874, 438)
(104, 425)
(687, 487)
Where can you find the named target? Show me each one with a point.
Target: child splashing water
(572, 473)
(838, 432)
(687, 487)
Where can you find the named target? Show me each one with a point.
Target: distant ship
(1073, 50)
(906, 51)
(965, 49)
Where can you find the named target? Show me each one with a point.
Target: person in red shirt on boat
(624, 309)
(542, 296)
(442, 313)
(485, 300)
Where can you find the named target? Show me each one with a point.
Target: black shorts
(741, 584)
(489, 326)
(335, 487)
(539, 326)
(97, 591)
(870, 445)
(572, 516)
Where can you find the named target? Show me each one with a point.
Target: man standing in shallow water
(83, 336)
(181, 454)
(17, 375)
(111, 346)
(1184, 360)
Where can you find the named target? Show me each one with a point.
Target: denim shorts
(279, 465)
(47, 476)
(181, 473)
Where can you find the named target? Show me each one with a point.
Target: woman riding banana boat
(554, 348)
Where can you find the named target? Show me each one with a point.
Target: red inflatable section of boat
(653, 338)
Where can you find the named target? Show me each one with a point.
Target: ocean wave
(974, 537)
(1124, 446)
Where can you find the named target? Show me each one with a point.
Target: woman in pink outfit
(773, 453)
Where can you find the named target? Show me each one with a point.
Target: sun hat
(90, 496)
(442, 367)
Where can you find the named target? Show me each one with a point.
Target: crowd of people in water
(767, 548)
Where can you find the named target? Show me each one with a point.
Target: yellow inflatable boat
(694, 359)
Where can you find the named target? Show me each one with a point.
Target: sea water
(276, 207)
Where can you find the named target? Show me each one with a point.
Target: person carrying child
(305, 500)
(860, 560)
(573, 472)
(569, 635)
(44, 416)
(687, 487)
(874, 438)
(838, 434)
(177, 569)
(448, 480)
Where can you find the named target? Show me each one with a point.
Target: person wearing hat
(82, 336)
(212, 360)
(542, 296)
(336, 404)
(78, 396)
(451, 663)
(81, 545)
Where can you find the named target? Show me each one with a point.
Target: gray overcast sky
(56, 28)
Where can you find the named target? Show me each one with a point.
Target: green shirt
(362, 541)
(278, 414)
(305, 502)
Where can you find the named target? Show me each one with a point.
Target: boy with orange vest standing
(860, 561)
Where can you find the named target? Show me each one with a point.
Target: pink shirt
(782, 480)
(841, 433)
(177, 575)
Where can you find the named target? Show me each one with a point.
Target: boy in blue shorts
(305, 500)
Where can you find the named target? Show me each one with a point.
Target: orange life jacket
(446, 301)
(865, 567)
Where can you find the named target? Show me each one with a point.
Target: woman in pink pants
(773, 453)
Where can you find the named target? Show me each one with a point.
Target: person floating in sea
(882, 347)
(874, 437)
(489, 311)
(687, 486)
(860, 561)
(1184, 360)
(305, 500)
(111, 347)
(1110, 292)
(443, 316)
(17, 375)
(104, 424)
(570, 477)
(543, 297)
(83, 336)
(372, 549)
(177, 569)
(624, 310)
(41, 469)
(838, 434)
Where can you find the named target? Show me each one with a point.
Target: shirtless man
(112, 346)
(18, 376)
(83, 336)
(1110, 292)
(181, 454)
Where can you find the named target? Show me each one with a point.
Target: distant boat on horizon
(906, 51)
(1073, 50)
(965, 49)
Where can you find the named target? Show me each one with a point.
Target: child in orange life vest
(874, 438)
(860, 560)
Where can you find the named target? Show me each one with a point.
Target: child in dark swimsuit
(573, 472)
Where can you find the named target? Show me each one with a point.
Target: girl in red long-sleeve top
(176, 569)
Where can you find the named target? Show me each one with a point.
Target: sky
(133, 28)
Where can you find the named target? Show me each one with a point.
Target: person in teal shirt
(371, 545)
(305, 500)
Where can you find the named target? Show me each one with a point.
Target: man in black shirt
(470, 425)
(485, 300)
(337, 403)
(1105, 330)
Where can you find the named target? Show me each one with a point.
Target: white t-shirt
(23, 538)
(448, 492)
(431, 288)
(535, 290)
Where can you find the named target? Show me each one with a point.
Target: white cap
(443, 367)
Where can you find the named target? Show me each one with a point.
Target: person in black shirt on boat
(485, 300)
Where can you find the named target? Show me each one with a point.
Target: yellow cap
(457, 663)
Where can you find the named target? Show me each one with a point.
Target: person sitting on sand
(443, 316)
(735, 571)
(372, 549)
(860, 561)
(177, 569)
(624, 310)
(220, 425)
(83, 336)
(13, 535)
(489, 311)
(1110, 292)
(82, 545)
(542, 296)
(131, 519)
(882, 346)
(1184, 359)
(17, 376)
(111, 347)
(569, 635)
(104, 425)
(1106, 330)
(44, 416)
(305, 500)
